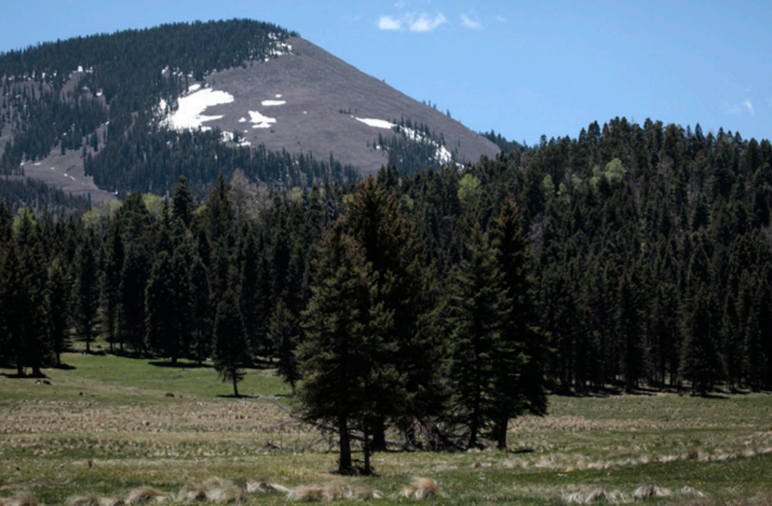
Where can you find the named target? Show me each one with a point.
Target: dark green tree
(283, 332)
(86, 291)
(520, 377)
(700, 359)
(231, 348)
(480, 310)
(58, 295)
(344, 383)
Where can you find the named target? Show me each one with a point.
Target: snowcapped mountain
(271, 97)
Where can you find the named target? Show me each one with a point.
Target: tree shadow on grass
(179, 365)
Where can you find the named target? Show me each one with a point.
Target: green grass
(116, 413)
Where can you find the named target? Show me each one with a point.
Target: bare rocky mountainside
(288, 102)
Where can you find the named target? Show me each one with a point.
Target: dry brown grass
(22, 499)
(90, 499)
(143, 495)
(228, 492)
(421, 488)
(253, 487)
(647, 491)
(192, 493)
(335, 491)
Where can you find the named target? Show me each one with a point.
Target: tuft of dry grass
(421, 488)
(144, 495)
(647, 491)
(23, 499)
(692, 491)
(192, 493)
(595, 495)
(308, 493)
(227, 493)
(90, 499)
(253, 487)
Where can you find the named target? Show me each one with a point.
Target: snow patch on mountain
(259, 120)
(271, 103)
(377, 123)
(190, 108)
(442, 154)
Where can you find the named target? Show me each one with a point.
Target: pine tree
(283, 332)
(343, 382)
(57, 304)
(131, 311)
(521, 383)
(86, 291)
(110, 282)
(480, 309)
(700, 360)
(231, 348)
(167, 306)
(391, 245)
(183, 202)
(202, 314)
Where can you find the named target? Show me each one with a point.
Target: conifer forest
(442, 302)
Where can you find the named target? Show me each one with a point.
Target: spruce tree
(700, 360)
(86, 291)
(391, 245)
(521, 382)
(57, 307)
(344, 383)
(480, 309)
(231, 348)
(283, 333)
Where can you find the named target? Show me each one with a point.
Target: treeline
(20, 193)
(123, 77)
(151, 159)
(631, 256)
(415, 147)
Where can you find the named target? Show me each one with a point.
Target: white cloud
(501, 19)
(740, 108)
(412, 21)
(470, 23)
(423, 23)
(389, 23)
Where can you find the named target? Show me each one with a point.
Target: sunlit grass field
(108, 425)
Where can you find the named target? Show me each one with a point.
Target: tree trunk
(344, 461)
(367, 449)
(379, 436)
(20, 370)
(501, 433)
(235, 386)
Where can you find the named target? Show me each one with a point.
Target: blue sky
(521, 68)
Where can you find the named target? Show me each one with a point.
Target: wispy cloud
(740, 108)
(415, 22)
(424, 23)
(389, 23)
(470, 23)
(501, 19)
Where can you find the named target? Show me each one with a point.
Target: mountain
(106, 114)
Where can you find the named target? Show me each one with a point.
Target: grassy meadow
(108, 425)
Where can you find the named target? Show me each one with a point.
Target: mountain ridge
(290, 97)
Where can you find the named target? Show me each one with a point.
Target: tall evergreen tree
(283, 332)
(521, 382)
(480, 309)
(58, 307)
(344, 383)
(86, 291)
(231, 348)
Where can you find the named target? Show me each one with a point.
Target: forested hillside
(630, 256)
(106, 114)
